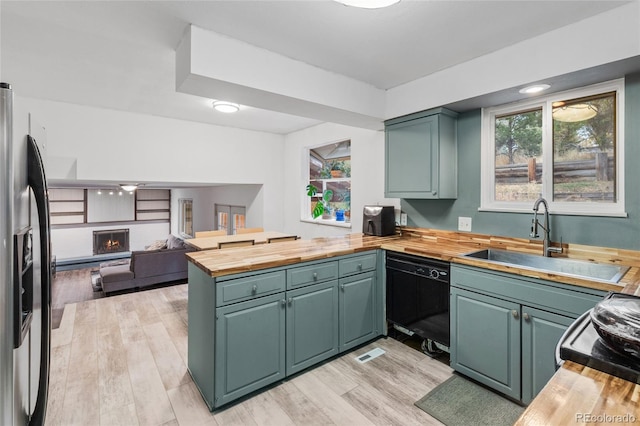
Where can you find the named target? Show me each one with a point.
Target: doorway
(230, 218)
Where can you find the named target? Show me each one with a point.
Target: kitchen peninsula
(573, 389)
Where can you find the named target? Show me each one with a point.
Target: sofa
(161, 262)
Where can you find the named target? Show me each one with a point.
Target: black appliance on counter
(582, 344)
(379, 221)
(418, 299)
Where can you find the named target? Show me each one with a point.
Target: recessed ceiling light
(368, 4)
(536, 88)
(224, 106)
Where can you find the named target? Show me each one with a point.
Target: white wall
(367, 175)
(87, 143)
(205, 199)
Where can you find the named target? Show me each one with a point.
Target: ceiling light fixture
(574, 113)
(224, 106)
(536, 88)
(129, 187)
(368, 4)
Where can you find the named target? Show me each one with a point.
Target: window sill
(554, 212)
(328, 222)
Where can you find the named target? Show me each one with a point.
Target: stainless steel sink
(570, 267)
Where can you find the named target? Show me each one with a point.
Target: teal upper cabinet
(421, 157)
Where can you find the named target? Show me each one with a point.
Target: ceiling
(121, 54)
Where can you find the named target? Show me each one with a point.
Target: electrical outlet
(403, 219)
(464, 224)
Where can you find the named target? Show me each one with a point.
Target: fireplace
(110, 241)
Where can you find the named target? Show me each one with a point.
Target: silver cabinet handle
(254, 289)
(342, 287)
(290, 301)
(359, 266)
(526, 316)
(515, 314)
(283, 302)
(315, 275)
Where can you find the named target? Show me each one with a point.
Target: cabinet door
(250, 344)
(312, 325)
(357, 310)
(485, 340)
(411, 152)
(541, 331)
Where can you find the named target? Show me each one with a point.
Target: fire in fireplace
(110, 241)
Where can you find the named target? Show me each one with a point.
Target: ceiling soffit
(212, 65)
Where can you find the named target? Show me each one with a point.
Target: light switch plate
(403, 219)
(464, 224)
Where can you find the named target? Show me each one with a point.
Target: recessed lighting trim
(368, 4)
(536, 88)
(227, 107)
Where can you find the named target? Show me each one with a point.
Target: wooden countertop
(573, 394)
(245, 259)
(208, 243)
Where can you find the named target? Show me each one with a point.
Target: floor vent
(373, 353)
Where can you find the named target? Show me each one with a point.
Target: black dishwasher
(418, 298)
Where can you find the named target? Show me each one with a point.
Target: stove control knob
(434, 273)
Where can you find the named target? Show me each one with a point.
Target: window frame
(487, 188)
(182, 217)
(305, 205)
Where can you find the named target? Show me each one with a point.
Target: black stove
(582, 344)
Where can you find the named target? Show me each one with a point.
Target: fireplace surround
(110, 241)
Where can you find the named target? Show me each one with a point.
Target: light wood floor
(121, 360)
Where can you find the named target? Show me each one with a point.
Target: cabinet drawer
(250, 287)
(355, 265)
(561, 298)
(305, 275)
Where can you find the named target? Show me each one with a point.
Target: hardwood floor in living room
(122, 360)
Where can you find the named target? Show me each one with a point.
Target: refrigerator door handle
(37, 181)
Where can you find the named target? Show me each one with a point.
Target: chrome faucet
(546, 250)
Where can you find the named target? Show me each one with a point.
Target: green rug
(459, 401)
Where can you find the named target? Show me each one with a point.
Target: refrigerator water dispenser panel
(23, 284)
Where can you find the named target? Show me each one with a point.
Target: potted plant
(322, 206)
(337, 169)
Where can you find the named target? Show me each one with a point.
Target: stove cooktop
(582, 344)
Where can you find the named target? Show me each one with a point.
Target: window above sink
(567, 147)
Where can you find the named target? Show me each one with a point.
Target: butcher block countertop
(575, 394)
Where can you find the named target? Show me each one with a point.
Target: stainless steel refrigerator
(25, 275)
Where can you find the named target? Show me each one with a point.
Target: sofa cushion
(157, 245)
(116, 273)
(174, 242)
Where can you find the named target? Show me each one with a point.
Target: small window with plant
(328, 188)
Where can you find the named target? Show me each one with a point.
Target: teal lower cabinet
(250, 341)
(249, 330)
(485, 340)
(312, 325)
(357, 310)
(541, 331)
(504, 327)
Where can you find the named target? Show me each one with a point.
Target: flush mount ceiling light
(224, 106)
(368, 4)
(128, 187)
(574, 113)
(536, 88)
